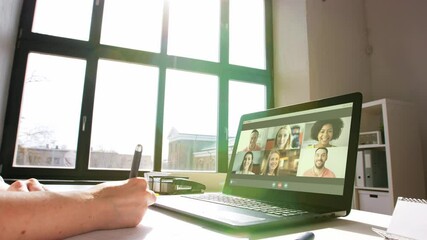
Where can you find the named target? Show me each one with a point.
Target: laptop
(289, 165)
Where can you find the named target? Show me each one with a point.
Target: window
(143, 21)
(190, 120)
(124, 114)
(174, 76)
(59, 18)
(244, 98)
(247, 33)
(50, 109)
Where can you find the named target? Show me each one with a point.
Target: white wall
(398, 34)
(340, 34)
(291, 51)
(337, 48)
(320, 49)
(9, 19)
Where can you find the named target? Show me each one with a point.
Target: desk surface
(161, 224)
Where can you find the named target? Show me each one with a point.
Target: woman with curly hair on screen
(324, 131)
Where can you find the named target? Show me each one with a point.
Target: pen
(135, 162)
(306, 236)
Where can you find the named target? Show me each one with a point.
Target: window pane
(63, 18)
(244, 98)
(190, 121)
(135, 24)
(124, 115)
(50, 112)
(247, 33)
(194, 29)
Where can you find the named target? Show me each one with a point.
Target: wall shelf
(399, 163)
(370, 146)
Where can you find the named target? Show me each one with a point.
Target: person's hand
(28, 185)
(125, 202)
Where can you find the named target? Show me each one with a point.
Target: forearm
(58, 215)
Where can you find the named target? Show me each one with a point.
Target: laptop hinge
(341, 213)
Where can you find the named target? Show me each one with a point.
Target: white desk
(164, 225)
(160, 224)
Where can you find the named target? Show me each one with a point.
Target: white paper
(409, 219)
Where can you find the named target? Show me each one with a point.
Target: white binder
(360, 169)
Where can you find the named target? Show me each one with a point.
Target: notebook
(289, 165)
(408, 220)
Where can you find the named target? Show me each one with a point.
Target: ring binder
(416, 200)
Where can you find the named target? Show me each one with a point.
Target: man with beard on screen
(319, 169)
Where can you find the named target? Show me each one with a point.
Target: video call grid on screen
(296, 160)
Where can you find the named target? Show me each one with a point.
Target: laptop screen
(296, 149)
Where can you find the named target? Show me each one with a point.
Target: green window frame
(92, 51)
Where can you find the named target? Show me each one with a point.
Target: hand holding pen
(136, 161)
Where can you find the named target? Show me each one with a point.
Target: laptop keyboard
(246, 203)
